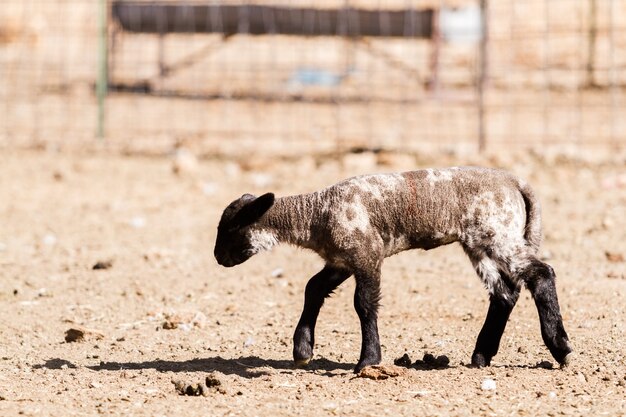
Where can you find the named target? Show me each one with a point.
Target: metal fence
(299, 76)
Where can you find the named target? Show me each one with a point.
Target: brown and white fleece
(354, 224)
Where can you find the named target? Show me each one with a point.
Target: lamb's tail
(532, 231)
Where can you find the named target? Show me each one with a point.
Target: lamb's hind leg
(320, 286)
(502, 301)
(540, 280)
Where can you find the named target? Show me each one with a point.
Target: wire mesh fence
(298, 76)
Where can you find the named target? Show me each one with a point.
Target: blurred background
(315, 76)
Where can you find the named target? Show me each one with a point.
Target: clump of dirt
(80, 333)
(381, 372)
(196, 389)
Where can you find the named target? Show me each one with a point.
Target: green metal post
(101, 85)
(482, 74)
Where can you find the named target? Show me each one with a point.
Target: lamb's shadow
(55, 363)
(246, 367)
(546, 365)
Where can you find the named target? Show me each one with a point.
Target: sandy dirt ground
(161, 309)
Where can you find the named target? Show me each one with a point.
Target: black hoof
(480, 361)
(302, 348)
(301, 363)
(562, 352)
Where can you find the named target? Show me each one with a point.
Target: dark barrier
(270, 20)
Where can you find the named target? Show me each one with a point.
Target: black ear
(253, 210)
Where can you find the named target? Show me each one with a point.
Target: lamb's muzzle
(355, 224)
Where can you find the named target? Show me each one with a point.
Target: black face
(233, 246)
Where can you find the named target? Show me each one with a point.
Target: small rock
(278, 273)
(179, 386)
(79, 334)
(545, 365)
(194, 390)
(404, 361)
(185, 162)
(211, 384)
(49, 240)
(488, 385)
(522, 350)
(102, 265)
(330, 406)
(212, 381)
(170, 324)
(614, 256)
(138, 222)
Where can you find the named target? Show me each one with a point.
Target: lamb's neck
(290, 219)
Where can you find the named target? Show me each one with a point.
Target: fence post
(101, 84)
(482, 74)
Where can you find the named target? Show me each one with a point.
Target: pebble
(488, 385)
(102, 265)
(49, 240)
(211, 384)
(79, 334)
(278, 273)
(614, 256)
(185, 162)
(138, 222)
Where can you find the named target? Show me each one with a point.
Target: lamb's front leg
(320, 286)
(366, 302)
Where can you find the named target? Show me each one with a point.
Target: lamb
(355, 224)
